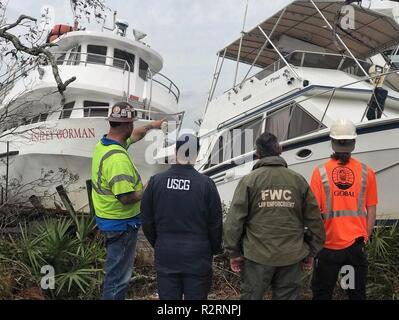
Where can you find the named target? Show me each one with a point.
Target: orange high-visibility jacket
(343, 193)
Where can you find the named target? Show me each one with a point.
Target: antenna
(115, 14)
(242, 36)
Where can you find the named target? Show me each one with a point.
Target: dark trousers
(327, 266)
(376, 104)
(179, 285)
(286, 282)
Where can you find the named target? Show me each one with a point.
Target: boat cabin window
(319, 60)
(235, 142)
(124, 60)
(43, 117)
(216, 156)
(243, 138)
(322, 61)
(295, 58)
(67, 110)
(74, 56)
(143, 69)
(290, 122)
(350, 66)
(35, 119)
(61, 59)
(95, 109)
(96, 54)
(315, 60)
(394, 56)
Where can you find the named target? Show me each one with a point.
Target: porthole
(304, 154)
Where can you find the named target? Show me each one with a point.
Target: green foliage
(383, 251)
(77, 253)
(72, 247)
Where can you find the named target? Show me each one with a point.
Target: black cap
(189, 143)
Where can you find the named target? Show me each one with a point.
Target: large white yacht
(53, 140)
(311, 71)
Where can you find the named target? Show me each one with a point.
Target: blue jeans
(119, 264)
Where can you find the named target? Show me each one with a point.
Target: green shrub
(383, 254)
(72, 247)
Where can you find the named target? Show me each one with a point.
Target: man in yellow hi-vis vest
(117, 191)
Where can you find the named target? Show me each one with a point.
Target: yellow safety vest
(114, 174)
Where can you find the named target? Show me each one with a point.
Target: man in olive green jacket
(273, 228)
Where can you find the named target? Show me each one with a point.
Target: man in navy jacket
(182, 220)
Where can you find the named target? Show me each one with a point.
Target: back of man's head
(187, 148)
(267, 145)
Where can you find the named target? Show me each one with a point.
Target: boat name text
(62, 134)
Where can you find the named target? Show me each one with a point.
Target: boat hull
(60, 153)
(378, 147)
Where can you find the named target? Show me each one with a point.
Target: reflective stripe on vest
(122, 177)
(102, 192)
(344, 213)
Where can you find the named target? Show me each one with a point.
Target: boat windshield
(319, 60)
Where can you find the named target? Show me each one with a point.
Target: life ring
(60, 29)
(52, 38)
(57, 31)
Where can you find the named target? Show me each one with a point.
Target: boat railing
(167, 83)
(141, 114)
(370, 81)
(79, 58)
(174, 120)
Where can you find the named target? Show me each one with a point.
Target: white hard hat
(343, 129)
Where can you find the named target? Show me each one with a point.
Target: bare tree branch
(23, 49)
(17, 23)
(35, 51)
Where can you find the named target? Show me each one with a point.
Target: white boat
(391, 9)
(307, 77)
(52, 142)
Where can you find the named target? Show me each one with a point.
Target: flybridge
(310, 26)
(301, 20)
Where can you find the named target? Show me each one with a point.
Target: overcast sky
(187, 33)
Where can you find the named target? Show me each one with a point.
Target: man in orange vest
(346, 192)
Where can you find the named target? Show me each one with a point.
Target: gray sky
(187, 33)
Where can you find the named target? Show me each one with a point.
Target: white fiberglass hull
(377, 147)
(60, 153)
